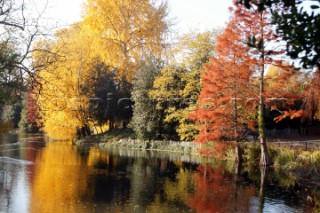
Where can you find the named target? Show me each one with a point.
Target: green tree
(146, 118)
(11, 81)
(11, 85)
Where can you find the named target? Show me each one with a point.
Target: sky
(199, 14)
(186, 14)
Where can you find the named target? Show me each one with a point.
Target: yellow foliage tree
(178, 87)
(62, 95)
(124, 31)
(114, 33)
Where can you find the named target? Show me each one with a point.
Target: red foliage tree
(265, 48)
(32, 110)
(223, 112)
(234, 83)
(284, 91)
(225, 88)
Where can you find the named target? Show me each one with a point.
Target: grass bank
(125, 139)
(293, 161)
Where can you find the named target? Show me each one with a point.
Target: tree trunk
(264, 171)
(238, 153)
(237, 176)
(264, 158)
(111, 124)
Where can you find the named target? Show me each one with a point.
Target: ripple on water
(276, 205)
(8, 160)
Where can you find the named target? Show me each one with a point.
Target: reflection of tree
(181, 187)
(236, 182)
(264, 171)
(107, 180)
(13, 186)
(214, 192)
(143, 189)
(58, 181)
(139, 184)
(13, 172)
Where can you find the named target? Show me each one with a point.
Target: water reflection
(16, 164)
(14, 191)
(215, 188)
(59, 177)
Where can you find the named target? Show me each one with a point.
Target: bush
(285, 159)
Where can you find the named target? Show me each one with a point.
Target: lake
(39, 176)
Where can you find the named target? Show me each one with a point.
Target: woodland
(120, 68)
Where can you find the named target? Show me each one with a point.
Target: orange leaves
(216, 150)
(292, 114)
(225, 88)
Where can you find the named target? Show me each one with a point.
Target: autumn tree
(304, 88)
(146, 119)
(33, 116)
(312, 98)
(116, 34)
(125, 31)
(284, 92)
(265, 49)
(30, 118)
(20, 26)
(196, 49)
(167, 89)
(61, 91)
(178, 86)
(221, 114)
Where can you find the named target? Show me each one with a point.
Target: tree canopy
(125, 31)
(298, 23)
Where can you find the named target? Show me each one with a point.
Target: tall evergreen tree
(146, 118)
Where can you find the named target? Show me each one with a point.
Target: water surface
(57, 177)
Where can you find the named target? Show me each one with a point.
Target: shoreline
(300, 159)
(136, 144)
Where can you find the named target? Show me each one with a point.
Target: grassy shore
(295, 162)
(126, 139)
(289, 159)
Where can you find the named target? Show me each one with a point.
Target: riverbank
(297, 158)
(164, 146)
(125, 139)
